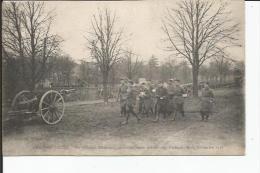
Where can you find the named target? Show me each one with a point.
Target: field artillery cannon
(49, 105)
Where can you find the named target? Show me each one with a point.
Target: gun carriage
(49, 104)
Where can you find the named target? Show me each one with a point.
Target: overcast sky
(141, 21)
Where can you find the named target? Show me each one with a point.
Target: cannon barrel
(67, 91)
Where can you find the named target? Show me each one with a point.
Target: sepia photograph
(91, 78)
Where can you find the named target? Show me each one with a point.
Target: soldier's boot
(140, 109)
(156, 119)
(174, 116)
(137, 117)
(182, 113)
(123, 111)
(164, 116)
(126, 121)
(202, 115)
(207, 117)
(147, 114)
(182, 110)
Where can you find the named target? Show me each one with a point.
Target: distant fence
(87, 93)
(226, 85)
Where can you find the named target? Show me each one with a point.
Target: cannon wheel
(51, 107)
(23, 95)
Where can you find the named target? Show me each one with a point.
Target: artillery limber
(49, 105)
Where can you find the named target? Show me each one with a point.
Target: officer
(130, 102)
(141, 96)
(149, 85)
(171, 88)
(161, 94)
(122, 96)
(161, 91)
(147, 100)
(207, 100)
(178, 99)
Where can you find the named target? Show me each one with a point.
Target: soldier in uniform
(148, 101)
(178, 99)
(141, 98)
(171, 91)
(161, 103)
(171, 88)
(130, 102)
(207, 100)
(161, 91)
(122, 96)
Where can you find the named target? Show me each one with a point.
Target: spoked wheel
(21, 99)
(51, 107)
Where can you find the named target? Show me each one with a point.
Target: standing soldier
(141, 98)
(207, 100)
(161, 102)
(147, 101)
(171, 107)
(122, 96)
(178, 99)
(130, 102)
(171, 88)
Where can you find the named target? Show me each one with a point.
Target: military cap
(161, 81)
(130, 81)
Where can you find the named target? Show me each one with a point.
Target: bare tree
(198, 30)
(62, 69)
(223, 67)
(131, 64)
(12, 39)
(26, 30)
(105, 43)
(205, 73)
(152, 66)
(173, 69)
(88, 73)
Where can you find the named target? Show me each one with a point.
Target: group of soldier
(161, 98)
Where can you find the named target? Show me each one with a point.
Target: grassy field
(97, 130)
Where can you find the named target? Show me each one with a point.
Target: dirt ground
(96, 130)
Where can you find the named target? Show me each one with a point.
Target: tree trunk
(130, 75)
(220, 79)
(195, 74)
(105, 88)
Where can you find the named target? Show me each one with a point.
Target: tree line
(197, 33)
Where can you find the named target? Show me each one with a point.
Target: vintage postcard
(123, 77)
